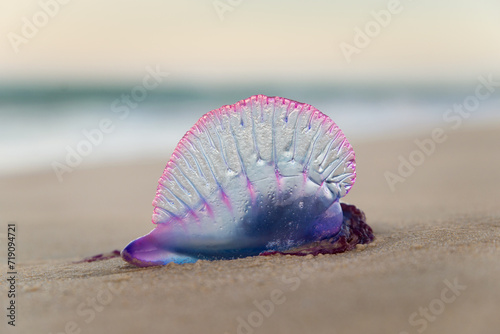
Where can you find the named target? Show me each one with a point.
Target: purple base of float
(355, 231)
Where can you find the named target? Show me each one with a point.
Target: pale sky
(113, 40)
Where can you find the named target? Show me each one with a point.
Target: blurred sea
(39, 123)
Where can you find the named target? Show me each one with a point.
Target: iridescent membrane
(262, 175)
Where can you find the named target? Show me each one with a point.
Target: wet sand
(433, 268)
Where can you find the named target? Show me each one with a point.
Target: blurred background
(378, 68)
(94, 96)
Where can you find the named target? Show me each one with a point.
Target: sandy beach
(433, 268)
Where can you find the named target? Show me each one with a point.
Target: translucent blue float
(261, 176)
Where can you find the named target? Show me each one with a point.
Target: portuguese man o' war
(262, 176)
